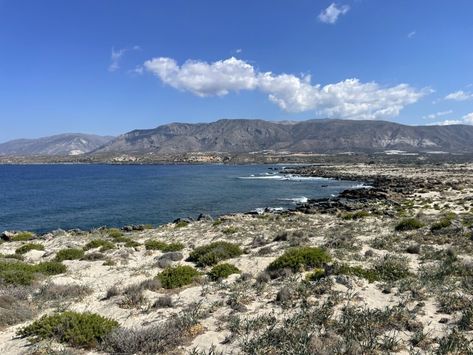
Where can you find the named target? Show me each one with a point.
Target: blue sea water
(46, 197)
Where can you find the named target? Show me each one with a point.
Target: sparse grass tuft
(444, 222)
(114, 233)
(213, 253)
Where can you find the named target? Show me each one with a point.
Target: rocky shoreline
(385, 269)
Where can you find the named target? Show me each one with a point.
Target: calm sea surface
(47, 197)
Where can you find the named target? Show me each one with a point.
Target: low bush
(213, 253)
(178, 276)
(300, 258)
(69, 254)
(85, 330)
(22, 236)
(355, 215)
(222, 271)
(55, 292)
(181, 224)
(13, 256)
(162, 246)
(230, 230)
(444, 222)
(114, 233)
(27, 247)
(368, 274)
(14, 310)
(408, 224)
(99, 243)
(163, 302)
(315, 275)
(20, 273)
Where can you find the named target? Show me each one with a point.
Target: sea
(42, 198)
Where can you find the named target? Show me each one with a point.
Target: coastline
(394, 280)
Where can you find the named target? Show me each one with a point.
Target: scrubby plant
(213, 253)
(178, 276)
(103, 244)
(222, 271)
(230, 230)
(86, 330)
(300, 258)
(27, 247)
(69, 254)
(444, 222)
(217, 222)
(13, 256)
(392, 268)
(181, 224)
(163, 302)
(162, 246)
(355, 215)
(55, 292)
(22, 236)
(114, 233)
(368, 274)
(20, 273)
(162, 338)
(408, 224)
(315, 275)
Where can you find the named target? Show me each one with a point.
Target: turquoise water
(47, 197)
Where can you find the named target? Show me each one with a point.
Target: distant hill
(62, 144)
(321, 136)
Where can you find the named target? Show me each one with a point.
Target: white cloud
(467, 119)
(332, 13)
(438, 114)
(116, 56)
(459, 95)
(346, 99)
(411, 35)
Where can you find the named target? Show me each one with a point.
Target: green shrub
(355, 215)
(20, 273)
(392, 268)
(178, 276)
(164, 247)
(222, 271)
(368, 274)
(315, 275)
(114, 233)
(130, 243)
(99, 243)
(13, 256)
(51, 268)
(181, 224)
(408, 224)
(217, 222)
(444, 222)
(27, 247)
(22, 236)
(69, 254)
(300, 258)
(85, 330)
(213, 253)
(230, 230)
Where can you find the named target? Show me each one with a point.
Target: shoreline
(399, 268)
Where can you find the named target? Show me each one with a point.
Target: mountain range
(61, 144)
(243, 136)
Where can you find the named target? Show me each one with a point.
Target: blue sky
(109, 66)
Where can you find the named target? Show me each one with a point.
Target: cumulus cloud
(116, 56)
(332, 13)
(467, 119)
(349, 98)
(459, 95)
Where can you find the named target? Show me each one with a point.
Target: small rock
(205, 217)
(443, 320)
